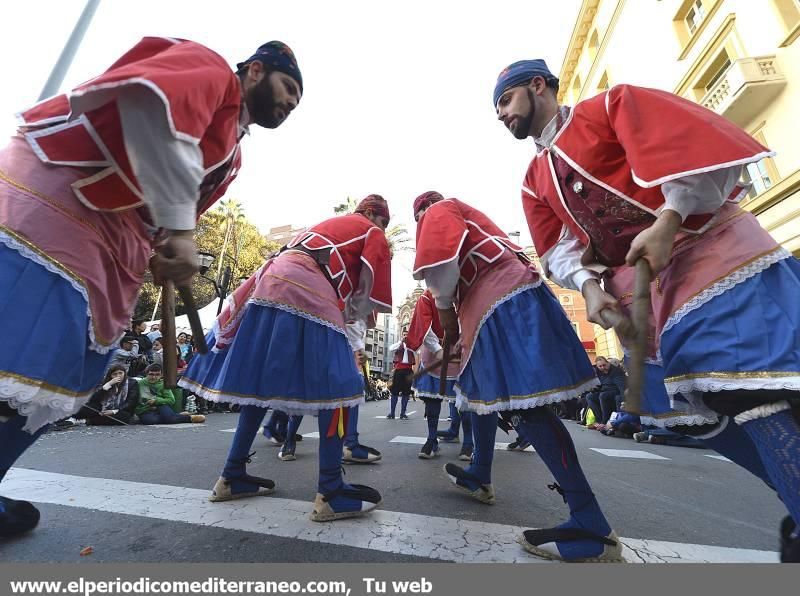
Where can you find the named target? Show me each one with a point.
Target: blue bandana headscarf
(520, 73)
(278, 56)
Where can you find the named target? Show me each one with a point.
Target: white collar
(244, 118)
(551, 129)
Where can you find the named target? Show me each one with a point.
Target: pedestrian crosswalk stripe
(630, 453)
(176, 426)
(421, 441)
(438, 538)
(719, 457)
(397, 416)
(410, 440)
(504, 447)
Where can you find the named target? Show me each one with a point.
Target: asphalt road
(688, 497)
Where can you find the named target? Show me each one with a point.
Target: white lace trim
(41, 406)
(430, 395)
(277, 403)
(764, 411)
(490, 312)
(26, 252)
(726, 284)
(679, 420)
(220, 336)
(296, 311)
(704, 384)
(516, 403)
(626, 354)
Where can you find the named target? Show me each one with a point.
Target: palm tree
(347, 207)
(233, 214)
(396, 236)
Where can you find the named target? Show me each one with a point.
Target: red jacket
(82, 128)
(425, 317)
(354, 242)
(452, 230)
(630, 140)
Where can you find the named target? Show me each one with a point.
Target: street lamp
(204, 260)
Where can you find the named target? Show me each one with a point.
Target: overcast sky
(397, 96)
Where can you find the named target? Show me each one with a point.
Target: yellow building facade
(740, 58)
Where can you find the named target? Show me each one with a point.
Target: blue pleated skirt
(656, 405)
(47, 367)
(282, 360)
(428, 386)
(745, 338)
(526, 355)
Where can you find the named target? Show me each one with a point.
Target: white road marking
(504, 447)
(397, 416)
(441, 538)
(630, 453)
(176, 426)
(410, 440)
(421, 441)
(719, 457)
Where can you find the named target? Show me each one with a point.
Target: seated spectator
(154, 333)
(127, 354)
(138, 331)
(608, 397)
(663, 436)
(114, 402)
(158, 353)
(183, 346)
(623, 424)
(155, 401)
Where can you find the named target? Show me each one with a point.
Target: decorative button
(578, 187)
(600, 212)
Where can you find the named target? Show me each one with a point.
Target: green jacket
(156, 391)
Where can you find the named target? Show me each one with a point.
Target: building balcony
(745, 89)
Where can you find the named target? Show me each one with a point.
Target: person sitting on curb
(155, 401)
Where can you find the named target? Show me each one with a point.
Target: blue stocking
(433, 408)
(250, 418)
(16, 517)
(393, 404)
(351, 432)
(732, 442)
(466, 428)
(14, 441)
(485, 429)
(549, 437)
(777, 439)
(291, 430)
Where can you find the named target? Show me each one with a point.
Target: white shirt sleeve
(431, 341)
(562, 264)
(357, 309)
(700, 193)
(442, 281)
(169, 171)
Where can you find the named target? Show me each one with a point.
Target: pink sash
(102, 254)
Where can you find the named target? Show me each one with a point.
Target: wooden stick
(435, 365)
(620, 322)
(168, 337)
(198, 335)
(640, 314)
(444, 366)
